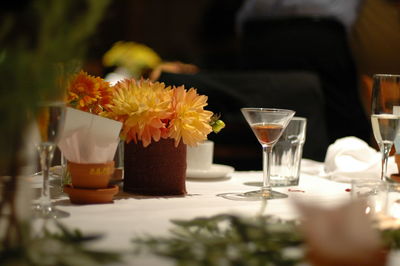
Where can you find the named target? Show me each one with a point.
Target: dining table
(130, 215)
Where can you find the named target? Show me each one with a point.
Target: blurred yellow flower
(134, 57)
(88, 93)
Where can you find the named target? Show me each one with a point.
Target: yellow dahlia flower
(88, 93)
(190, 121)
(143, 107)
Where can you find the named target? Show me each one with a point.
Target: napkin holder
(89, 143)
(90, 183)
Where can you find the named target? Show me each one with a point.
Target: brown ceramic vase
(158, 169)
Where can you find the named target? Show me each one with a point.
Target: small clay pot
(91, 175)
(91, 196)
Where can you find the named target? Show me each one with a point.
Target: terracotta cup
(91, 196)
(91, 175)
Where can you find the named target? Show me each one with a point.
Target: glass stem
(267, 153)
(46, 152)
(385, 148)
(63, 162)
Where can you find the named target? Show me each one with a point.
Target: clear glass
(373, 192)
(393, 203)
(118, 175)
(385, 114)
(268, 125)
(287, 154)
(50, 119)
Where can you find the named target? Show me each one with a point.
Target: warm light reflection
(378, 207)
(375, 205)
(394, 210)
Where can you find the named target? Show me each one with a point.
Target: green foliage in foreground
(217, 240)
(391, 238)
(229, 240)
(233, 240)
(62, 247)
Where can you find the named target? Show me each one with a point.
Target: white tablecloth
(131, 216)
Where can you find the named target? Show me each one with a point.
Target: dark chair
(318, 45)
(229, 91)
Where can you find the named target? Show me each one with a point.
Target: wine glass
(385, 114)
(268, 125)
(50, 119)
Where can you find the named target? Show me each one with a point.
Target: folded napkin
(88, 138)
(350, 158)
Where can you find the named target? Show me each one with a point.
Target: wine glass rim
(386, 75)
(299, 118)
(262, 109)
(50, 103)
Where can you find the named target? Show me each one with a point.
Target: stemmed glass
(50, 119)
(385, 113)
(268, 125)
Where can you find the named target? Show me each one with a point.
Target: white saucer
(216, 171)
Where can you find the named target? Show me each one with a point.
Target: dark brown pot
(158, 169)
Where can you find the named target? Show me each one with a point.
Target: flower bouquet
(158, 122)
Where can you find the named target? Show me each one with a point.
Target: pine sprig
(228, 240)
(62, 246)
(234, 240)
(391, 238)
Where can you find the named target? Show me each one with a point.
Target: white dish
(216, 171)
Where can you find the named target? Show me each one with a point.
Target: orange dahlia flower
(143, 107)
(88, 93)
(190, 122)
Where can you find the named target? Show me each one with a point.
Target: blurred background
(313, 56)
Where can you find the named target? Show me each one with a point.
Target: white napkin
(88, 138)
(350, 158)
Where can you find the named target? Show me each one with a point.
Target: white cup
(201, 156)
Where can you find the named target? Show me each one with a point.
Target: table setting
(172, 194)
(122, 170)
(133, 216)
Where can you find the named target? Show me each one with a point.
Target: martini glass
(385, 114)
(50, 119)
(268, 125)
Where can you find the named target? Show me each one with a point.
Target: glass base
(46, 212)
(254, 195)
(283, 181)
